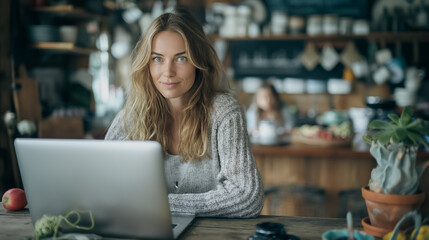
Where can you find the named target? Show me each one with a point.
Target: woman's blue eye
(157, 59)
(182, 59)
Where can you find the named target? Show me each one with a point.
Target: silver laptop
(121, 182)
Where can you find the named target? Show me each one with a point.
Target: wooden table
(18, 226)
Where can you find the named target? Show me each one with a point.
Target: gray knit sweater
(226, 185)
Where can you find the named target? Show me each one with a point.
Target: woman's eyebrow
(180, 53)
(177, 54)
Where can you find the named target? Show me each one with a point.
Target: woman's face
(265, 99)
(171, 71)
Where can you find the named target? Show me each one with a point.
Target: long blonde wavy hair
(147, 110)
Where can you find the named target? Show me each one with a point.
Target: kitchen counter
(308, 151)
(334, 175)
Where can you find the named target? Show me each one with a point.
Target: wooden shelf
(403, 36)
(294, 37)
(63, 47)
(68, 11)
(388, 36)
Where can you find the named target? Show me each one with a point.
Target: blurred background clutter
(334, 65)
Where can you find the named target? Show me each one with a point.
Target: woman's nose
(169, 69)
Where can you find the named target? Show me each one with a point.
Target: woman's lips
(170, 84)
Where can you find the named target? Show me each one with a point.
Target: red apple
(14, 199)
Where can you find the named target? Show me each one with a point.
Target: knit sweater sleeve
(239, 191)
(116, 129)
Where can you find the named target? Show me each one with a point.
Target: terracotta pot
(385, 210)
(374, 231)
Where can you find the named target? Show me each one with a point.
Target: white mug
(383, 56)
(381, 75)
(413, 78)
(360, 27)
(267, 132)
(404, 97)
(360, 69)
(279, 21)
(253, 30)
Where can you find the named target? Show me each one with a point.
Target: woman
(175, 98)
(268, 105)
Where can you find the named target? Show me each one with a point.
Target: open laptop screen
(121, 182)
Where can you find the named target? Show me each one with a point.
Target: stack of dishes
(251, 84)
(278, 84)
(315, 86)
(339, 86)
(294, 85)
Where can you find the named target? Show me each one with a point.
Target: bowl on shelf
(43, 33)
(68, 33)
(294, 85)
(315, 86)
(251, 84)
(339, 86)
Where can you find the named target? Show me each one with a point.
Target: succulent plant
(403, 129)
(394, 146)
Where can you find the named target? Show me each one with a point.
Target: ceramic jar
(360, 27)
(330, 24)
(279, 22)
(267, 132)
(345, 26)
(314, 25)
(296, 24)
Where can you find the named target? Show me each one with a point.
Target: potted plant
(393, 189)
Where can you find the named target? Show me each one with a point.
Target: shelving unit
(63, 47)
(68, 11)
(377, 36)
(63, 58)
(411, 44)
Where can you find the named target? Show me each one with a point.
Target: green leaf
(419, 139)
(367, 138)
(414, 123)
(408, 142)
(401, 133)
(394, 118)
(395, 138)
(380, 124)
(419, 129)
(407, 112)
(383, 137)
(414, 140)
